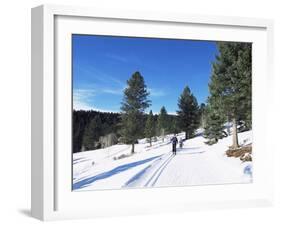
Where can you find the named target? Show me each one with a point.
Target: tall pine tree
(230, 86)
(150, 127)
(133, 106)
(188, 112)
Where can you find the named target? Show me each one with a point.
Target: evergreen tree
(175, 125)
(213, 129)
(230, 86)
(150, 127)
(162, 122)
(92, 134)
(133, 106)
(170, 124)
(188, 112)
(202, 113)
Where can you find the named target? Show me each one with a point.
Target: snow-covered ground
(195, 164)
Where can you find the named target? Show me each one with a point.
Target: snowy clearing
(195, 164)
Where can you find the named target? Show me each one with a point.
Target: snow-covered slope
(195, 164)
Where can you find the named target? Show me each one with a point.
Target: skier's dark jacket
(174, 140)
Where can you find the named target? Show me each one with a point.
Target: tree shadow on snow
(86, 182)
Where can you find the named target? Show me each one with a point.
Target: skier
(174, 143)
(181, 142)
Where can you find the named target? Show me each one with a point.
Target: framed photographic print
(137, 112)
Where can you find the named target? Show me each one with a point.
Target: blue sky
(103, 64)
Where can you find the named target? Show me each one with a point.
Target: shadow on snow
(136, 177)
(86, 182)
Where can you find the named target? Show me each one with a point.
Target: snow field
(195, 164)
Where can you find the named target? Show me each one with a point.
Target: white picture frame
(51, 150)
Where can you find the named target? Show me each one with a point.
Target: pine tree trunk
(133, 147)
(235, 136)
(228, 129)
(186, 135)
(150, 141)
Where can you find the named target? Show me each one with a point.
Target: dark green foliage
(175, 125)
(213, 129)
(202, 115)
(130, 127)
(162, 122)
(150, 127)
(244, 67)
(188, 112)
(81, 120)
(92, 133)
(230, 86)
(133, 106)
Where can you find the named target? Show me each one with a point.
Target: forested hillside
(87, 123)
(90, 126)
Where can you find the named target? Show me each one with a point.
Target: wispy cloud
(112, 91)
(82, 99)
(117, 57)
(156, 92)
(128, 59)
(100, 76)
